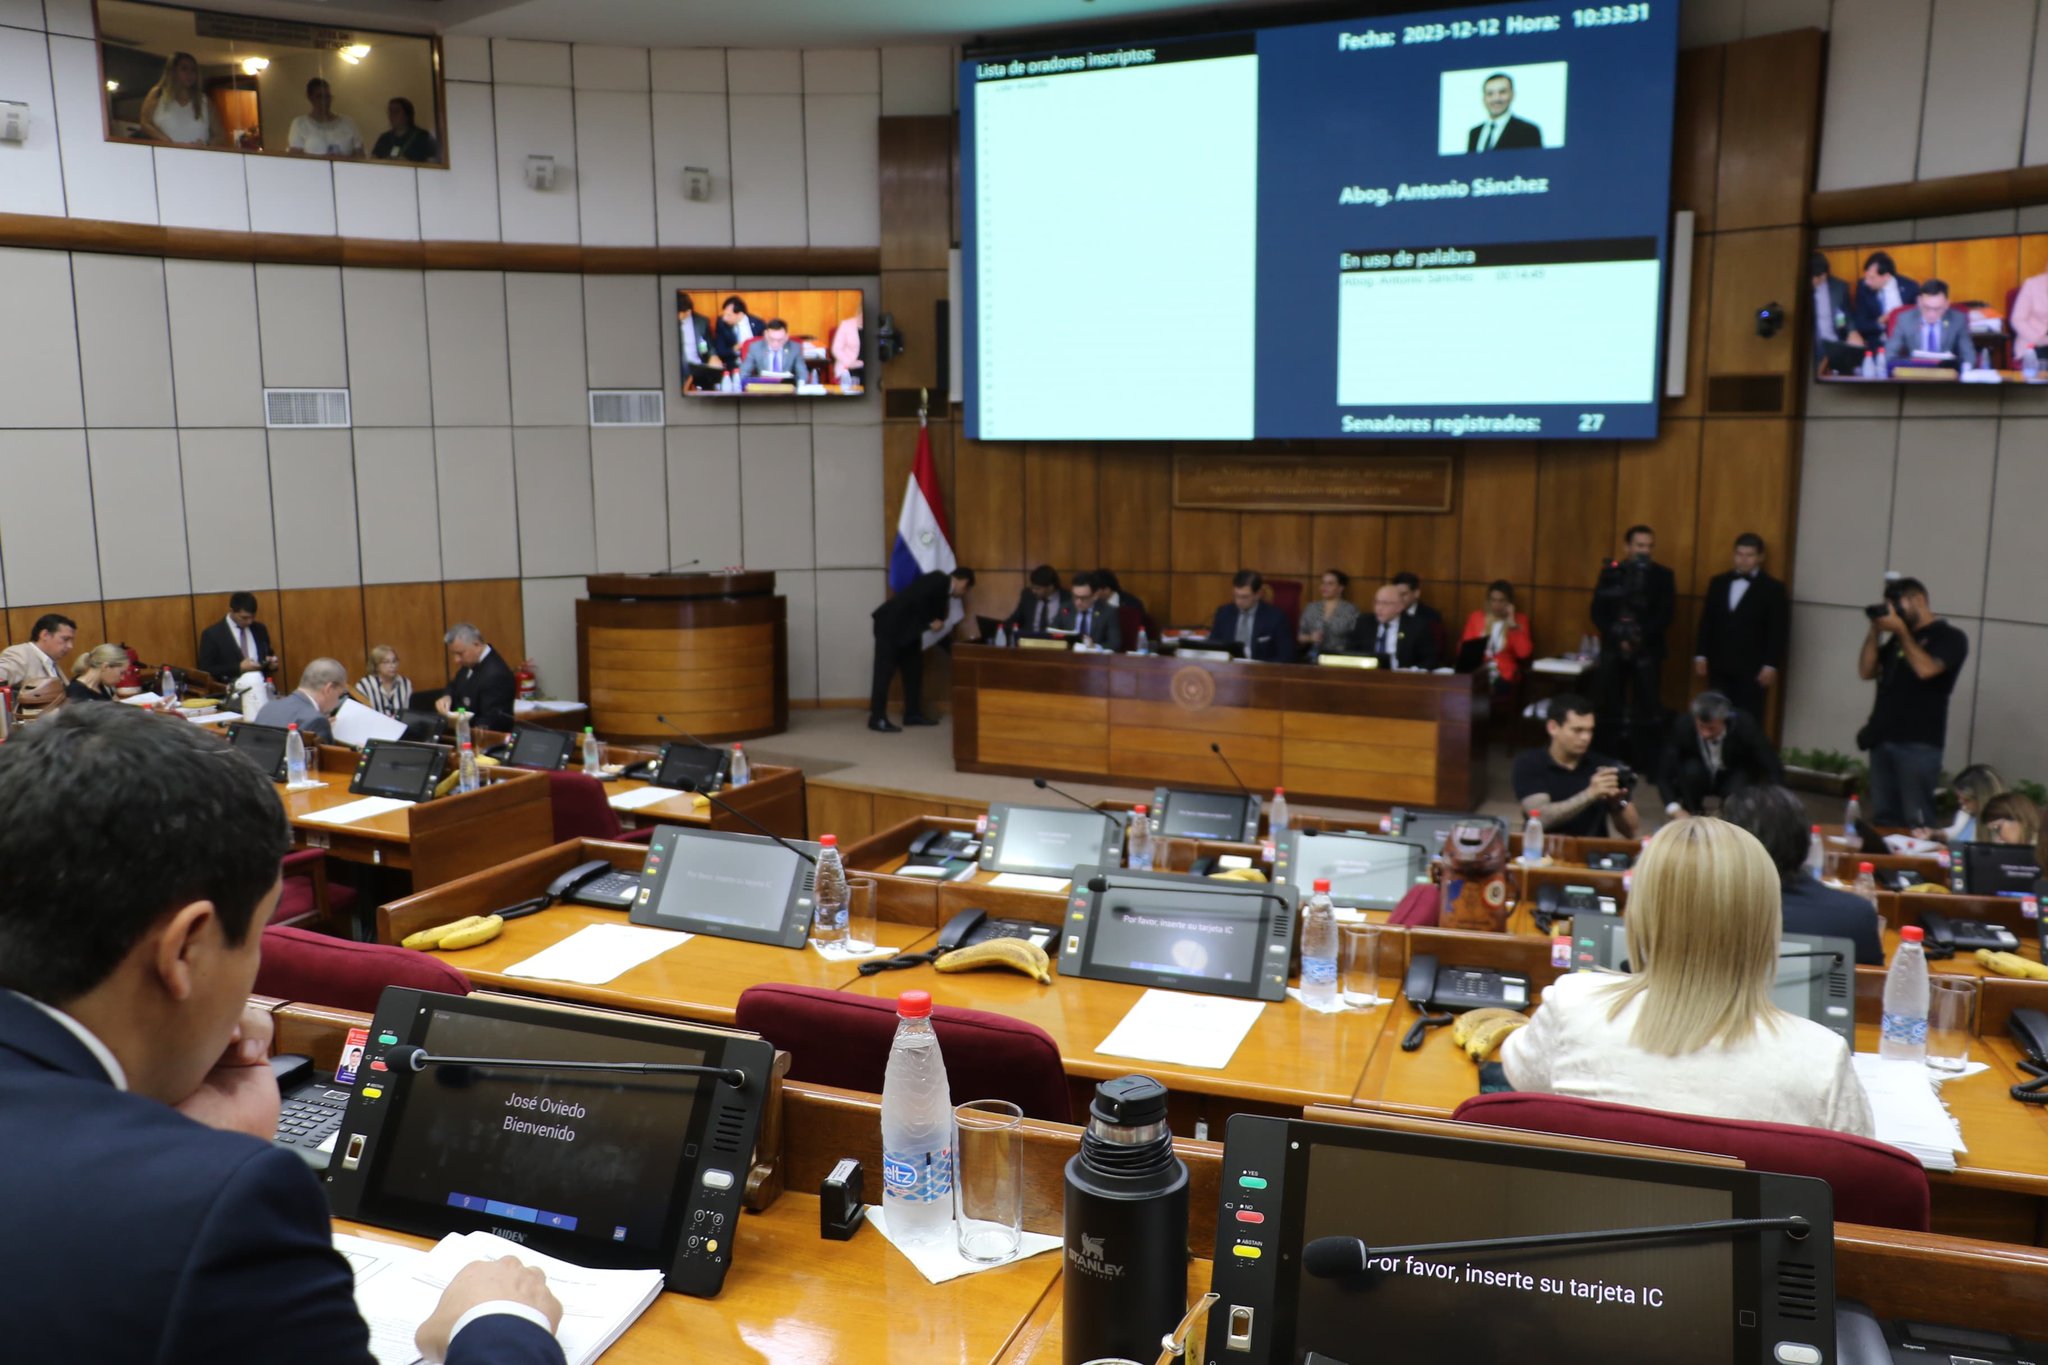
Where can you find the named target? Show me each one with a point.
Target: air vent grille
(1798, 1294)
(302, 408)
(726, 1133)
(626, 408)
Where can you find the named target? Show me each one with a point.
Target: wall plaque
(1312, 483)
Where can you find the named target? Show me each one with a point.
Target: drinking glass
(1361, 964)
(1951, 1011)
(988, 1180)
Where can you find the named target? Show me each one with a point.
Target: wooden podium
(710, 651)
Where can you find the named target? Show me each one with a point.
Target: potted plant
(1825, 771)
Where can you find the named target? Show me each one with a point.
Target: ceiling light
(354, 53)
(113, 86)
(255, 66)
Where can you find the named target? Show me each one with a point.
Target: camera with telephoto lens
(1626, 583)
(1878, 610)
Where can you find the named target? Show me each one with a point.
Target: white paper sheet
(599, 954)
(142, 699)
(940, 1260)
(1024, 881)
(1568, 668)
(213, 717)
(839, 952)
(556, 707)
(1184, 1029)
(644, 796)
(356, 724)
(1907, 1110)
(361, 809)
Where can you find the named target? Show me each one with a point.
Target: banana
(431, 938)
(1927, 888)
(469, 936)
(1469, 1022)
(2012, 964)
(1491, 1034)
(454, 775)
(1017, 954)
(1238, 874)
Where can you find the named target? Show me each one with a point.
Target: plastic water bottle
(741, 771)
(1902, 1032)
(167, 684)
(466, 777)
(593, 751)
(1817, 855)
(1319, 949)
(1144, 645)
(1138, 841)
(294, 756)
(1276, 817)
(917, 1128)
(829, 894)
(1852, 816)
(1532, 841)
(1866, 883)
(2030, 364)
(462, 735)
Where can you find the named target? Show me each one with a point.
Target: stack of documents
(397, 1288)
(1907, 1110)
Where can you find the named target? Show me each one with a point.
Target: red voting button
(1250, 1216)
(379, 1066)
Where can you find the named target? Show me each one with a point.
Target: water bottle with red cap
(1902, 1031)
(829, 894)
(1319, 949)
(917, 1128)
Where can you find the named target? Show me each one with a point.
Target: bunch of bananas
(447, 783)
(1016, 954)
(467, 932)
(2012, 964)
(1479, 1032)
(1238, 874)
(1927, 889)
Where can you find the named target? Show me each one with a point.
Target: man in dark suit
(483, 684)
(1932, 329)
(1398, 638)
(1779, 820)
(695, 344)
(154, 1219)
(1090, 616)
(1881, 289)
(236, 644)
(1420, 614)
(1743, 624)
(900, 626)
(1714, 750)
(1258, 625)
(1502, 131)
(736, 326)
(1040, 603)
(1633, 603)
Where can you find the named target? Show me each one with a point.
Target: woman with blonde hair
(177, 110)
(94, 675)
(1693, 1030)
(382, 689)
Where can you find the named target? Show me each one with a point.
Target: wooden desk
(710, 651)
(774, 795)
(1345, 736)
(436, 841)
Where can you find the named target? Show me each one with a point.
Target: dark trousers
(1902, 782)
(1693, 784)
(1746, 693)
(1628, 699)
(890, 658)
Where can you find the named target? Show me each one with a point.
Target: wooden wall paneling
(409, 618)
(1497, 500)
(1679, 683)
(1206, 542)
(1770, 130)
(840, 811)
(1135, 488)
(1747, 477)
(1061, 506)
(1750, 270)
(322, 623)
(159, 629)
(2033, 253)
(1915, 260)
(899, 453)
(989, 527)
(1277, 544)
(1696, 134)
(994, 592)
(91, 629)
(494, 606)
(1559, 618)
(1154, 589)
(916, 163)
(1574, 511)
(1355, 542)
(1424, 544)
(894, 810)
(1657, 485)
(1694, 401)
(1196, 597)
(1980, 269)
(912, 298)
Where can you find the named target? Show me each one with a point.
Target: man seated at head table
(774, 355)
(1256, 624)
(32, 668)
(1931, 328)
(322, 686)
(734, 328)
(1040, 603)
(1692, 1029)
(1113, 594)
(1397, 638)
(483, 684)
(154, 1218)
(1567, 786)
(238, 643)
(1778, 819)
(1090, 617)
(1880, 290)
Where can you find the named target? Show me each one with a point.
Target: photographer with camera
(1632, 608)
(1915, 671)
(1571, 789)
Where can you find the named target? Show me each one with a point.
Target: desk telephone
(964, 930)
(2029, 1029)
(1947, 936)
(1438, 993)
(945, 844)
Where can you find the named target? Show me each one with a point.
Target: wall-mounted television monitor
(770, 343)
(1970, 310)
(1451, 224)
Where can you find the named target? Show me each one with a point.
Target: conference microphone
(692, 785)
(1046, 786)
(671, 725)
(1217, 749)
(678, 568)
(1334, 1258)
(1240, 890)
(411, 1058)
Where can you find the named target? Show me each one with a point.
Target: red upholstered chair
(838, 1038)
(315, 969)
(581, 808)
(1422, 905)
(1891, 319)
(1286, 595)
(1873, 1183)
(1129, 621)
(307, 896)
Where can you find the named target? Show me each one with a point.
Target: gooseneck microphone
(671, 725)
(686, 564)
(1046, 786)
(1333, 1258)
(1217, 749)
(411, 1058)
(1238, 890)
(691, 785)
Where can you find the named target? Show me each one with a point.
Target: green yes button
(387, 1039)
(1251, 1182)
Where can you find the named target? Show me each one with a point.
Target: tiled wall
(132, 449)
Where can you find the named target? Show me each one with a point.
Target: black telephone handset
(2029, 1029)
(957, 930)
(967, 928)
(1420, 988)
(291, 1071)
(1440, 992)
(946, 844)
(577, 877)
(1940, 936)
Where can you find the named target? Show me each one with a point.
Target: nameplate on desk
(1348, 660)
(1042, 642)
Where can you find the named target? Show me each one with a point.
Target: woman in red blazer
(1506, 632)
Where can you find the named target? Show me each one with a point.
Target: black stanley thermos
(1126, 1280)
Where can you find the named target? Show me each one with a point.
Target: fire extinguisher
(528, 679)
